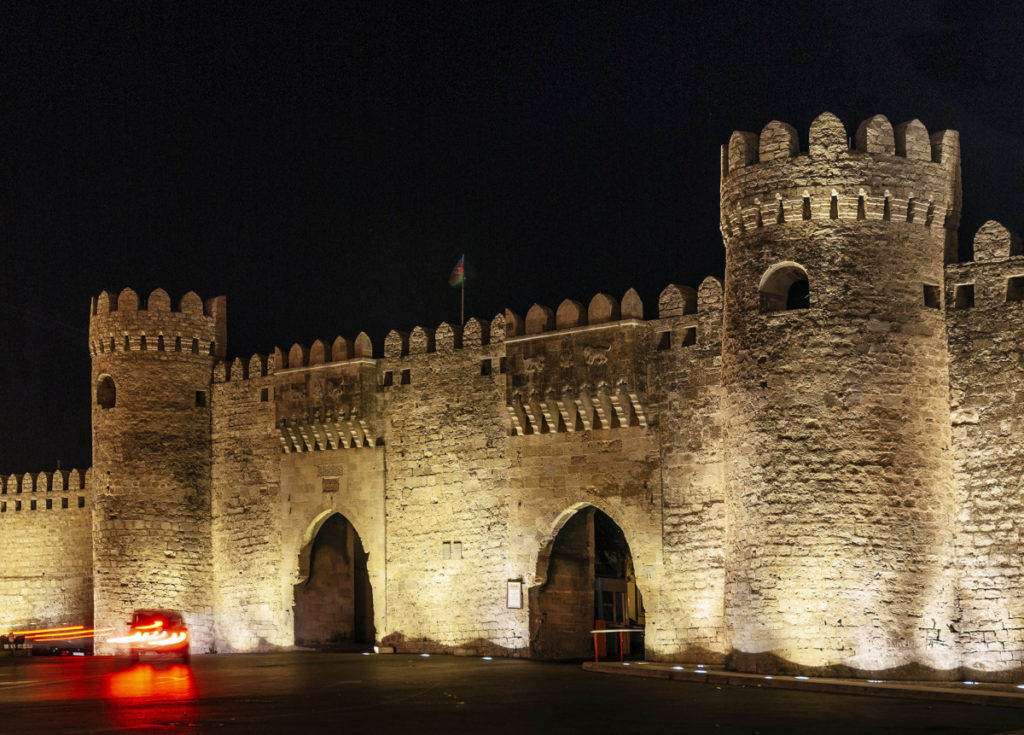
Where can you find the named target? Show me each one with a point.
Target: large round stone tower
(151, 375)
(839, 479)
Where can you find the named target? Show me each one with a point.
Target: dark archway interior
(334, 606)
(590, 584)
(785, 288)
(799, 295)
(106, 392)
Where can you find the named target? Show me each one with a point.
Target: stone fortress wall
(839, 474)
(152, 412)
(46, 550)
(985, 323)
(825, 487)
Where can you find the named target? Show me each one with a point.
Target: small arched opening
(588, 583)
(784, 287)
(334, 603)
(106, 392)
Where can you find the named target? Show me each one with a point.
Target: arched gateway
(334, 600)
(586, 580)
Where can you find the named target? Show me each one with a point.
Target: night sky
(325, 168)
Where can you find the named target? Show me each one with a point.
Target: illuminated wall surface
(815, 468)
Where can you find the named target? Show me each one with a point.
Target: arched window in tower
(784, 287)
(106, 392)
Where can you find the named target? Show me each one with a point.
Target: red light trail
(64, 633)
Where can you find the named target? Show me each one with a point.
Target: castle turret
(839, 479)
(151, 374)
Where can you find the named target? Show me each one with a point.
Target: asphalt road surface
(348, 693)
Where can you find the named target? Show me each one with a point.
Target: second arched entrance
(589, 582)
(334, 604)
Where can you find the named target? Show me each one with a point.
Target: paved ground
(310, 693)
(974, 692)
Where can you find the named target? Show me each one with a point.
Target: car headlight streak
(151, 635)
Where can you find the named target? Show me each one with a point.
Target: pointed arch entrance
(334, 600)
(586, 580)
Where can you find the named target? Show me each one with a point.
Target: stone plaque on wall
(331, 484)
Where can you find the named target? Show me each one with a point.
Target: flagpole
(462, 310)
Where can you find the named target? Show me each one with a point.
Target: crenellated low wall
(45, 550)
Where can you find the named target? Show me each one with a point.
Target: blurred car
(161, 632)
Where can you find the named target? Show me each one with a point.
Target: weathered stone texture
(838, 470)
(685, 398)
(565, 602)
(577, 400)
(316, 485)
(986, 335)
(446, 483)
(331, 604)
(251, 602)
(553, 476)
(152, 542)
(46, 551)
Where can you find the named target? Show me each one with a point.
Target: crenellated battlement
(257, 366)
(447, 337)
(827, 140)
(606, 338)
(993, 242)
(901, 175)
(602, 309)
(583, 369)
(992, 283)
(299, 356)
(539, 319)
(125, 324)
(57, 490)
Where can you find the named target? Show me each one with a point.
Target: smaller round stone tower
(151, 443)
(836, 397)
